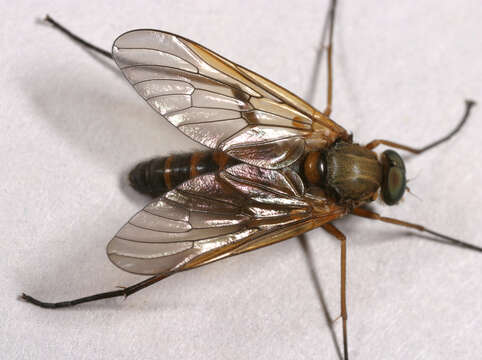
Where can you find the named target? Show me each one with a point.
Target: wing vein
(160, 231)
(161, 51)
(155, 242)
(164, 217)
(182, 71)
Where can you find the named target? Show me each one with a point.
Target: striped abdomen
(159, 175)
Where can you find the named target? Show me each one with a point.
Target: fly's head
(394, 180)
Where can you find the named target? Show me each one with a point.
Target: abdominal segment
(159, 175)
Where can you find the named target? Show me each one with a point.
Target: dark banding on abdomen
(159, 175)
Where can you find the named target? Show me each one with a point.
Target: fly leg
(468, 106)
(331, 229)
(125, 292)
(374, 216)
(77, 39)
(329, 92)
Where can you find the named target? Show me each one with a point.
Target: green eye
(393, 186)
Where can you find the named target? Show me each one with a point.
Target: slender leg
(106, 295)
(468, 106)
(374, 216)
(329, 92)
(76, 38)
(331, 229)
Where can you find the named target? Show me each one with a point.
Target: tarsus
(76, 38)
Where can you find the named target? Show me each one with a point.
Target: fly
(276, 166)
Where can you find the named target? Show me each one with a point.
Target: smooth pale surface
(72, 127)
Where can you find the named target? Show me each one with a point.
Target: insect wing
(218, 103)
(216, 215)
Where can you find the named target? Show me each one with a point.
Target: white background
(71, 128)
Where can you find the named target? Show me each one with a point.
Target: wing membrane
(217, 215)
(219, 103)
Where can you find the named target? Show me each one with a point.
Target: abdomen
(159, 175)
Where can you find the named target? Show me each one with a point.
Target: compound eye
(394, 181)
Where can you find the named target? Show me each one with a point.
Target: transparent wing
(218, 103)
(217, 215)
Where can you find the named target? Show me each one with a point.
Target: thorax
(346, 172)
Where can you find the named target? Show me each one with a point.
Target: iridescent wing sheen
(218, 215)
(220, 104)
